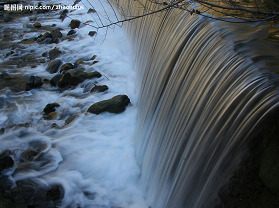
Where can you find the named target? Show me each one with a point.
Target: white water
(92, 157)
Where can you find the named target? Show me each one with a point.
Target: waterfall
(202, 96)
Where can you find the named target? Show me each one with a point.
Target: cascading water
(201, 98)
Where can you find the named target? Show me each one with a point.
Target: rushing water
(93, 156)
(204, 88)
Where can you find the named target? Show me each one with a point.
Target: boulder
(66, 67)
(50, 107)
(99, 88)
(34, 82)
(75, 23)
(75, 77)
(54, 81)
(54, 53)
(116, 104)
(53, 66)
(65, 80)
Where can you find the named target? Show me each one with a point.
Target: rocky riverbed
(52, 86)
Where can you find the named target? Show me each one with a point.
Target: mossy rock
(116, 104)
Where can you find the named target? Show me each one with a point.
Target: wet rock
(65, 80)
(53, 66)
(71, 32)
(37, 25)
(91, 10)
(28, 41)
(78, 62)
(75, 77)
(52, 115)
(75, 23)
(63, 15)
(15, 83)
(92, 33)
(56, 33)
(54, 53)
(116, 104)
(54, 81)
(46, 37)
(6, 161)
(34, 82)
(55, 193)
(50, 107)
(66, 67)
(93, 57)
(71, 119)
(99, 88)
(28, 155)
(45, 54)
(23, 194)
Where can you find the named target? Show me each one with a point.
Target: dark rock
(53, 66)
(78, 62)
(93, 57)
(75, 77)
(75, 23)
(91, 10)
(56, 33)
(33, 82)
(65, 80)
(76, 2)
(66, 66)
(54, 53)
(45, 54)
(71, 32)
(92, 33)
(27, 41)
(70, 119)
(55, 193)
(28, 155)
(45, 36)
(116, 104)
(9, 53)
(50, 107)
(7, 18)
(6, 161)
(15, 83)
(37, 25)
(99, 88)
(23, 194)
(54, 81)
(95, 62)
